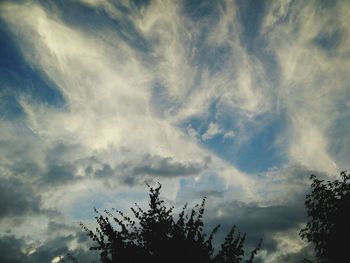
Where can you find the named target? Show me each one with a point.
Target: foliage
(156, 236)
(328, 228)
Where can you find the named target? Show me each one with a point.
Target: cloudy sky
(239, 101)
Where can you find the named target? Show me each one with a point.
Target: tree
(328, 227)
(156, 236)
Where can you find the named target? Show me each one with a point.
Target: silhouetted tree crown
(156, 236)
(328, 227)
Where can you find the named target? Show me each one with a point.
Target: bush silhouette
(156, 236)
(328, 228)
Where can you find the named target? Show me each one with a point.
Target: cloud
(276, 225)
(210, 193)
(261, 220)
(309, 90)
(154, 165)
(276, 216)
(17, 198)
(171, 89)
(144, 90)
(144, 169)
(17, 250)
(107, 6)
(11, 250)
(212, 131)
(120, 108)
(229, 134)
(306, 252)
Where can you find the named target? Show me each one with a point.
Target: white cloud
(212, 131)
(105, 105)
(192, 132)
(106, 5)
(288, 242)
(108, 112)
(277, 12)
(229, 135)
(313, 80)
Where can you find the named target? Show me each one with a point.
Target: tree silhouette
(156, 236)
(328, 228)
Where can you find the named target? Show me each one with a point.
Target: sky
(239, 101)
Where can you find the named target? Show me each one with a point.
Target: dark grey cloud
(59, 173)
(16, 250)
(10, 250)
(258, 221)
(34, 165)
(167, 167)
(51, 249)
(152, 167)
(17, 198)
(209, 193)
(61, 167)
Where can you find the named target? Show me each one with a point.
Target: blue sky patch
(18, 77)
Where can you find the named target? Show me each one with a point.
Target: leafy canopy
(328, 227)
(156, 236)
